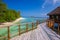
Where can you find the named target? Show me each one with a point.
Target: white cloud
(46, 2)
(55, 1)
(50, 2)
(44, 14)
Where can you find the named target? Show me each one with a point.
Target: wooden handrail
(3, 37)
(19, 29)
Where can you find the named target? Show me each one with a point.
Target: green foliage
(7, 15)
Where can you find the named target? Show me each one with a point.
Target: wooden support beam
(8, 33)
(19, 29)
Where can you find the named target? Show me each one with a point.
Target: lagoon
(14, 28)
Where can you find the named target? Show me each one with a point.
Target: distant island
(8, 15)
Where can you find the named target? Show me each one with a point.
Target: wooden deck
(41, 33)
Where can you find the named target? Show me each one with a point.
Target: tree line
(8, 15)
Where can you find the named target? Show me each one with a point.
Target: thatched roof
(55, 12)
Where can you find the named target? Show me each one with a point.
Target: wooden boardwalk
(41, 33)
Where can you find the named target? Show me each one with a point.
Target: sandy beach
(10, 23)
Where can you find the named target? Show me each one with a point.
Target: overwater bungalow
(54, 18)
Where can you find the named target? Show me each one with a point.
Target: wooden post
(58, 28)
(27, 27)
(19, 30)
(50, 23)
(47, 23)
(53, 25)
(8, 33)
(37, 23)
(32, 26)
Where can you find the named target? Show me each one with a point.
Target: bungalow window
(52, 17)
(55, 25)
(57, 17)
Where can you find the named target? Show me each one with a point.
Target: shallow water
(14, 28)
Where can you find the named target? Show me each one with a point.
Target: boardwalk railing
(50, 24)
(8, 32)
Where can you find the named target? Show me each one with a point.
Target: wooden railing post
(48, 23)
(8, 33)
(58, 28)
(32, 26)
(37, 22)
(19, 29)
(27, 27)
(53, 25)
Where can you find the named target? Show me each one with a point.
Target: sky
(37, 8)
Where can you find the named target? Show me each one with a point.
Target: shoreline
(10, 23)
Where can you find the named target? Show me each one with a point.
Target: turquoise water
(14, 28)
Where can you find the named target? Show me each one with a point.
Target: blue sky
(38, 8)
